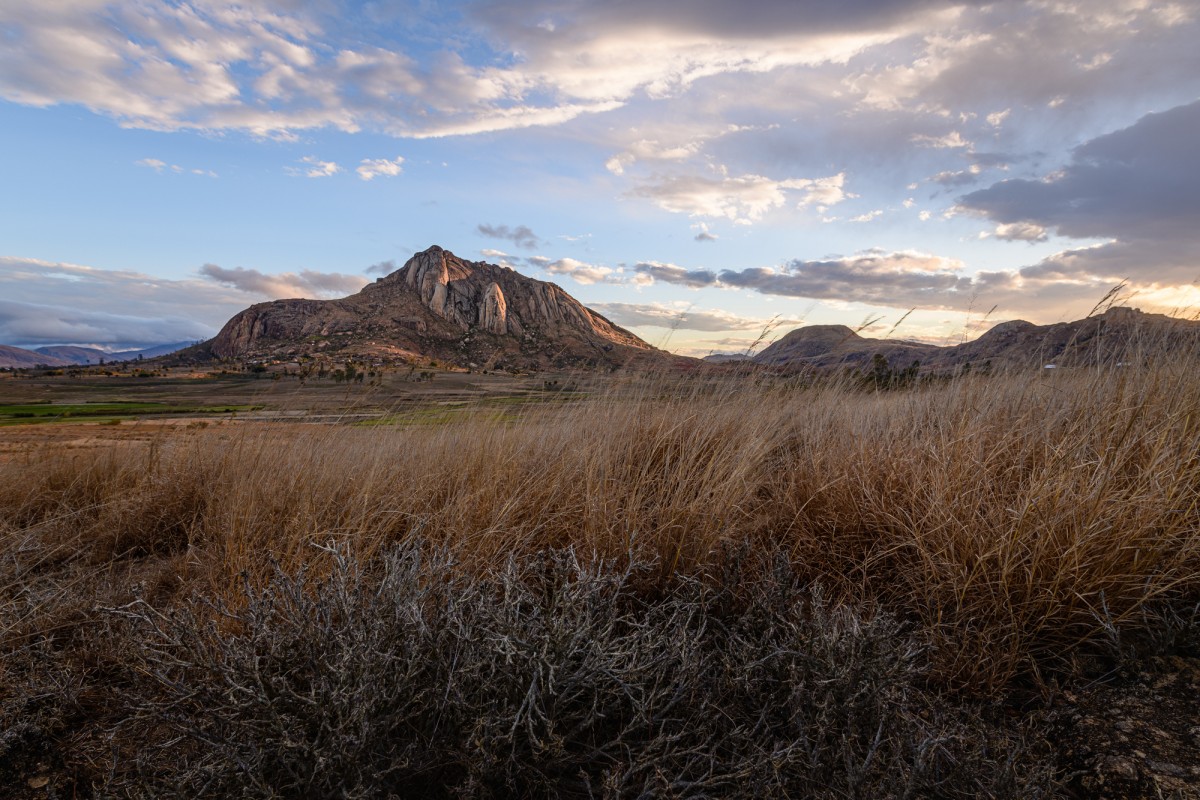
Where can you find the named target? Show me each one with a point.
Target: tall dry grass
(1014, 517)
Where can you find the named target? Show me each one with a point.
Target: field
(731, 585)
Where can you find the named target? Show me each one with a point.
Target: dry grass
(1013, 520)
(1011, 515)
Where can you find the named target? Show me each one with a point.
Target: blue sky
(691, 169)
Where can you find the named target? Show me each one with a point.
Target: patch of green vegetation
(34, 413)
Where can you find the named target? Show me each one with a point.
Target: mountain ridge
(1112, 334)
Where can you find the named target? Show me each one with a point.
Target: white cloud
(1020, 232)
(952, 140)
(158, 165)
(742, 199)
(578, 271)
(315, 168)
(867, 217)
(370, 167)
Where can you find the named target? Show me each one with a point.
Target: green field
(35, 413)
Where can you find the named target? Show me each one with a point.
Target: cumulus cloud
(578, 271)
(306, 283)
(952, 140)
(277, 68)
(521, 235)
(743, 199)
(1020, 232)
(370, 167)
(703, 234)
(680, 316)
(315, 168)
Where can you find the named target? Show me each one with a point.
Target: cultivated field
(742, 585)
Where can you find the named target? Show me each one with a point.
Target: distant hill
(19, 358)
(94, 355)
(438, 306)
(1119, 333)
(725, 358)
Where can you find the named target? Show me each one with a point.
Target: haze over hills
(438, 306)
(1116, 333)
(20, 358)
(94, 355)
(74, 355)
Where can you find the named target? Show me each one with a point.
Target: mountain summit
(443, 307)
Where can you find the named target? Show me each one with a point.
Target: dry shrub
(548, 677)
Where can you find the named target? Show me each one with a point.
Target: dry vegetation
(692, 589)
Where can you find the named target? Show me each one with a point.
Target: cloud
(157, 165)
(315, 168)
(1020, 232)
(680, 316)
(703, 234)
(306, 283)
(488, 252)
(743, 199)
(382, 268)
(276, 68)
(150, 306)
(961, 177)
(1136, 182)
(1135, 186)
(370, 167)
(578, 271)
(521, 235)
(868, 216)
(35, 325)
(952, 140)
(670, 273)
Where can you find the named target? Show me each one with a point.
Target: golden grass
(1012, 516)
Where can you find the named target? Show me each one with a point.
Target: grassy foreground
(738, 588)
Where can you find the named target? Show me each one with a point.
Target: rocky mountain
(438, 306)
(1117, 334)
(20, 358)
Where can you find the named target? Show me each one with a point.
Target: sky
(699, 171)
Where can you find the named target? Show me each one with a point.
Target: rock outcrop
(442, 307)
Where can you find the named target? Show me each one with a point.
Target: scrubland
(675, 587)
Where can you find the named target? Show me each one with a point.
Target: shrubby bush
(552, 676)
